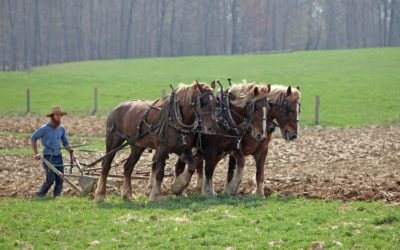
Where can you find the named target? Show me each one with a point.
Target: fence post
(28, 101)
(163, 94)
(317, 110)
(95, 101)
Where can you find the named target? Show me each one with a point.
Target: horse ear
(212, 84)
(255, 91)
(269, 88)
(298, 88)
(289, 91)
(198, 85)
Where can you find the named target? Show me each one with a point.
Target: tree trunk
(235, 45)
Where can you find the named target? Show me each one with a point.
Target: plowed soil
(324, 163)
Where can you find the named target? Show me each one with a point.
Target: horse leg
(232, 186)
(207, 187)
(179, 166)
(155, 193)
(182, 180)
(199, 171)
(112, 141)
(260, 161)
(128, 168)
(152, 170)
(231, 168)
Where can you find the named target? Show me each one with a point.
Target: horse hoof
(176, 191)
(157, 197)
(209, 194)
(229, 192)
(127, 197)
(99, 198)
(259, 193)
(177, 187)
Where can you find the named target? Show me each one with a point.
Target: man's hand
(37, 157)
(71, 152)
(73, 157)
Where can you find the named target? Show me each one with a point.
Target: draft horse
(285, 109)
(167, 125)
(241, 110)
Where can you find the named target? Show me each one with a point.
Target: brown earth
(325, 163)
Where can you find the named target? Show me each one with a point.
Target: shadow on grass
(192, 202)
(42, 199)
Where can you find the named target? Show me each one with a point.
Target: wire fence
(307, 119)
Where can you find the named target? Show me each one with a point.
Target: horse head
(258, 110)
(285, 109)
(248, 105)
(198, 103)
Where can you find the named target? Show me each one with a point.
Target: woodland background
(37, 32)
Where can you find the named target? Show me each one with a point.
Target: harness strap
(178, 118)
(243, 126)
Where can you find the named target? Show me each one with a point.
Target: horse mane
(243, 93)
(278, 90)
(262, 91)
(186, 93)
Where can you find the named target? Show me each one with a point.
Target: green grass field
(198, 223)
(357, 87)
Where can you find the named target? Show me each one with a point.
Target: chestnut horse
(241, 110)
(167, 125)
(285, 109)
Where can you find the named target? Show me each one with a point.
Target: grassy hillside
(198, 223)
(357, 87)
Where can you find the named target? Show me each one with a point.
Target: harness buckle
(238, 141)
(183, 139)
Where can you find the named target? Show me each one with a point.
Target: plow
(87, 176)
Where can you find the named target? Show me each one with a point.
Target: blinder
(200, 101)
(286, 107)
(224, 113)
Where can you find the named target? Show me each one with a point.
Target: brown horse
(285, 109)
(242, 109)
(167, 125)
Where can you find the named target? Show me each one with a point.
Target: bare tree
(49, 31)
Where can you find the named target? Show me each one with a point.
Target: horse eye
(288, 108)
(203, 101)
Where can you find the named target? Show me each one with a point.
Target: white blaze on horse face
(298, 116)
(264, 122)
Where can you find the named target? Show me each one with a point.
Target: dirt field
(326, 163)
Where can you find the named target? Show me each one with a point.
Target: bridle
(285, 107)
(198, 125)
(265, 107)
(225, 113)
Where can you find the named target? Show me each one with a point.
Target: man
(50, 135)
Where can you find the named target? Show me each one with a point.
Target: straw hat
(56, 110)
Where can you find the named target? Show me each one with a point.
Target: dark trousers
(51, 177)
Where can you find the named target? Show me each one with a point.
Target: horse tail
(110, 128)
(110, 124)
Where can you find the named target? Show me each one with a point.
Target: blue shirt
(50, 138)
